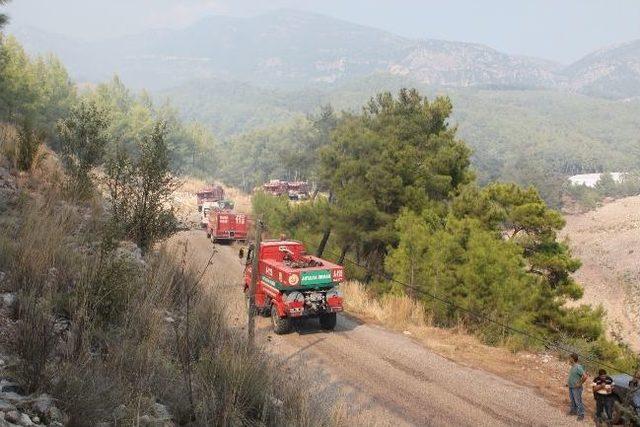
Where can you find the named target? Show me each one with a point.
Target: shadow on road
(301, 350)
(311, 326)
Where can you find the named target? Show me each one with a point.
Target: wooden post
(251, 325)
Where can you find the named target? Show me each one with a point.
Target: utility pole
(251, 325)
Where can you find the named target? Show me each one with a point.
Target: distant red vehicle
(292, 284)
(298, 190)
(225, 226)
(275, 187)
(219, 206)
(214, 193)
(295, 190)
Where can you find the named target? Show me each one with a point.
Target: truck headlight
(295, 297)
(334, 293)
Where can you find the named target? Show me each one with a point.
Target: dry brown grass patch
(396, 311)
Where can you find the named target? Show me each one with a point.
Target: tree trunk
(323, 242)
(345, 249)
(327, 231)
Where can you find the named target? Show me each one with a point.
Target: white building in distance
(591, 179)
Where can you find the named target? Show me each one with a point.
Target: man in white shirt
(603, 392)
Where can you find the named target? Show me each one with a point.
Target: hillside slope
(607, 241)
(521, 135)
(612, 72)
(298, 49)
(287, 48)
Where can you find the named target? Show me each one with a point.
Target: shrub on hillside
(140, 189)
(29, 149)
(83, 137)
(33, 341)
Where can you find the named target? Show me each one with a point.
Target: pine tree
(399, 153)
(140, 188)
(4, 19)
(84, 137)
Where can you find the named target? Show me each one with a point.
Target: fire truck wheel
(281, 325)
(265, 312)
(328, 321)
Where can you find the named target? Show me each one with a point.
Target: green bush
(29, 143)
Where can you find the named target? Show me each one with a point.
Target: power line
(443, 300)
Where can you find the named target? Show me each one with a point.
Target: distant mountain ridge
(613, 72)
(291, 49)
(446, 63)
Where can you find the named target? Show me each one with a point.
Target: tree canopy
(38, 90)
(404, 202)
(400, 152)
(3, 17)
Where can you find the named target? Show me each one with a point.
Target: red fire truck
(293, 285)
(298, 190)
(213, 193)
(225, 226)
(295, 190)
(275, 187)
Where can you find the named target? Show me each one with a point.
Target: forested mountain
(276, 48)
(527, 120)
(611, 73)
(528, 136)
(288, 48)
(299, 49)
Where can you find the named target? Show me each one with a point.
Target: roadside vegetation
(529, 137)
(403, 204)
(112, 334)
(96, 311)
(589, 198)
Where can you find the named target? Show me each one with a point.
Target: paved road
(386, 377)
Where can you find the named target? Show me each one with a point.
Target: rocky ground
(17, 407)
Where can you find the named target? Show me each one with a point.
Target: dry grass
(9, 143)
(192, 185)
(20, 151)
(395, 311)
(105, 331)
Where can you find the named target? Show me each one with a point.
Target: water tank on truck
(293, 285)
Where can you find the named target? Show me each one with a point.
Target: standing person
(577, 377)
(603, 389)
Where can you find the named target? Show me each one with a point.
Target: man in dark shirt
(603, 392)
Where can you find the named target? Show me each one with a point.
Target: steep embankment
(607, 241)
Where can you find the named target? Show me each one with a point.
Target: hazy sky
(562, 30)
